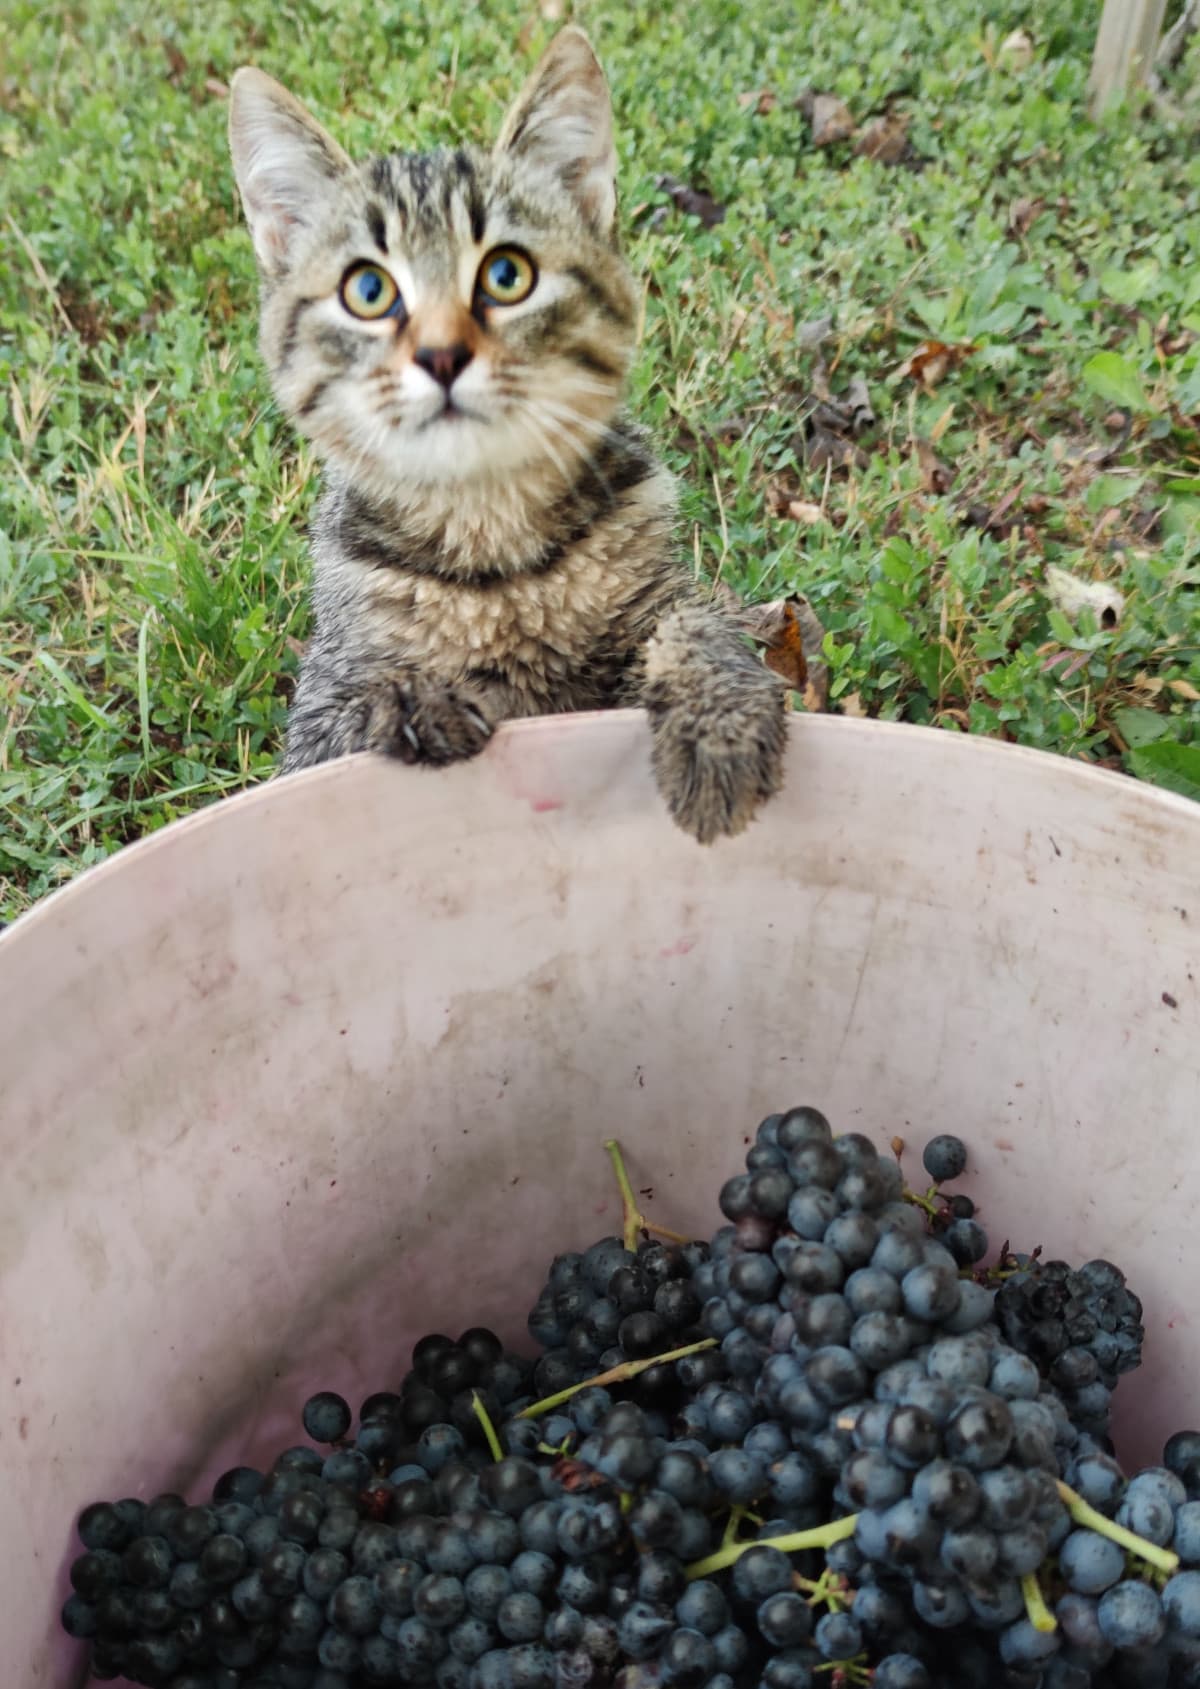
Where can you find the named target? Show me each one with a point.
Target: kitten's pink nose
(444, 363)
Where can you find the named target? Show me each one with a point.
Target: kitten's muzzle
(444, 363)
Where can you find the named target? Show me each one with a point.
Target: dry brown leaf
(936, 476)
(218, 89)
(800, 510)
(693, 202)
(552, 10)
(932, 361)
(941, 425)
(762, 99)
(822, 449)
(791, 635)
(830, 118)
(1184, 689)
(885, 139)
(785, 652)
(1023, 212)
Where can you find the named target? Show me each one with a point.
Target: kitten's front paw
(714, 774)
(426, 721)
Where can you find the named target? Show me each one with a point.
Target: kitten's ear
(286, 165)
(562, 123)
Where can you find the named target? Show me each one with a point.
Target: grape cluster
(611, 1304)
(1082, 1327)
(824, 1450)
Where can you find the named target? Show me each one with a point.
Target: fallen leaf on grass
(1016, 51)
(784, 653)
(725, 432)
(693, 202)
(812, 333)
(829, 118)
(1022, 213)
(936, 476)
(782, 500)
(858, 403)
(763, 100)
(819, 448)
(885, 139)
(1071, 595)
(852, 705)
(833, 423)
(991, 518)
(1184, 689)
(933, 360)
(791, 634)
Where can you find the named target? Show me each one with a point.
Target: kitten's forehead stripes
(424, 189)
(378, 227)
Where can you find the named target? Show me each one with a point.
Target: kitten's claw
(420, 720)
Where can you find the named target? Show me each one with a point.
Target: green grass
(152, 504)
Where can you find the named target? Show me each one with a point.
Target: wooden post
(1125, 48)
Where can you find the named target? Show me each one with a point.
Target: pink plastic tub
(330, 1065)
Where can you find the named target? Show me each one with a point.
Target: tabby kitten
(452, 332)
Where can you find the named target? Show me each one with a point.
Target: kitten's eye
(368, 291)
(506, 276)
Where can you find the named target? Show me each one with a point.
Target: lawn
(153, 505)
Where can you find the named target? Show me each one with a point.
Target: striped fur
(500, 546)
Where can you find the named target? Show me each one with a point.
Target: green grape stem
(615, 1375)
(847, 1672)
(489, 1430)
(822, 1536)
(1040, 1616)
(1164, 1559)
(635, 1220)
(926, 1202)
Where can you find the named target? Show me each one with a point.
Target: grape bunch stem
(1040, 1616)
(1164, 1559)
(926, 1202)
(635, 1220)
(489, 1430)
(615, 1375)
(821, 1536)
